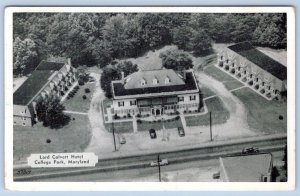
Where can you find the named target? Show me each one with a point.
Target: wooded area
(98, 38)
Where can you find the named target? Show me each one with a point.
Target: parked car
(122, 139)
(216, 175)
(181, 132)
(161, 163)
(251, 150)
(152, 133)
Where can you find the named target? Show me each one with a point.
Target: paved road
(200, 171)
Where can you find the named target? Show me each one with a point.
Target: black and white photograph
(150, 95)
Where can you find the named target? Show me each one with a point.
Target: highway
(201, 170)
(134, 166)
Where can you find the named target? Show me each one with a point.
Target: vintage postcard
(149, 98)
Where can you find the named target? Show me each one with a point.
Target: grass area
(120, 127)
(145, 125)
(263, 115)
(206, 92)
(229, 82)
(74, 137)
(77, 103)
(219, 114)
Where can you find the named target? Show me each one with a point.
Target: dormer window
(167, 80)
(143, 82)
(155, 81)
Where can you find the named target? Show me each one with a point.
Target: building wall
(22, 115)
(186, 105)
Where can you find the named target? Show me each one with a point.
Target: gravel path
(101, 141)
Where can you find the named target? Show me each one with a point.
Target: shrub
(177, 112)
(81, 82)
(62, 93)
(129, 115)
(280, 117)
(83, 97)
(147, 115)
(73, 118)
(177, 117)
(66, 88)
(139, 121)
(190, 111)
(159, 121)
(87, 90)
(184, 111)
(116, 116)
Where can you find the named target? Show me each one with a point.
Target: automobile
(152, 133)
(161, 163)
(251, 150)
(216, 175)
(122, 139)
(181, 132)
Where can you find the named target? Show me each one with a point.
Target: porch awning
(157, 101)
(170, 100)
(144, 102)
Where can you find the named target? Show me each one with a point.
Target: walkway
(73, 112)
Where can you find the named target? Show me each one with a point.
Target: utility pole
(113, 130)
(210, 128)
(158, 164)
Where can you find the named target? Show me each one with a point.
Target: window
(256, 79)
(133, 102)
(23, 124)
(15, 122)
(121, 103)
(193, 97)
(180, 99)
(239, 68)
(155, 81)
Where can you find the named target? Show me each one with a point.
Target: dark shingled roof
(190, 84)
(46, 65)
(31, 86)
(265, 62)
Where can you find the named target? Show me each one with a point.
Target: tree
(113, 72)
(271, 31)
(182, 36)
(176, 59)
(50, 112)
(24, 55)
(200, 42)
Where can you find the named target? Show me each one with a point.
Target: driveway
(236, 125)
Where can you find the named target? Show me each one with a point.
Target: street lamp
(113, 130)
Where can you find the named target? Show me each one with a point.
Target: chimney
(184, 74)
(122, 75)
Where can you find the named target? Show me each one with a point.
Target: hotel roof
(265, 62)
(176, 85)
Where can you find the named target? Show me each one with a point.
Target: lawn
(229, 82)
(145, 125)
(77, 103)
(219, 114)
(263, 115)
(206, 92)
(74, 137)
(120, 127)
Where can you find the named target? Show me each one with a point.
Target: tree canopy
(99, 38)
(176, 59)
